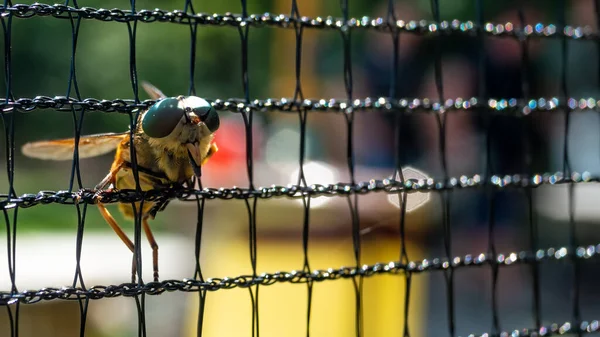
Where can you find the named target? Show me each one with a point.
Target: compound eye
(204, 110)
(162, 118)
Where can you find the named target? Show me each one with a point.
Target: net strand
(140, 301)
(554, 329)
(11, 320)
(302, 116)
(247, 116)
(83, 303)
(399, 160)
(90, 196)
(198, 271)
(193, 42)
(72, 84)
(597, 13)
(490, 195)
(11, 227)
(346, 35)
(528, 150)
(589, 253)
(534, 244)
(379, 24)
(497, 106)
(445, 197)
(9, 127)
(10, 240)
(76, 171)
(200, 203)
(494, 268)
(567, 168)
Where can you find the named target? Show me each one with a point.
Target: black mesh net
(447, 189)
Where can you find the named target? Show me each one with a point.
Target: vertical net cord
(10, 151)
(489, 168)
(198, 270)
(528, 144)
(346, 33)
(442, 122)
(247, 115)
(188, 6)
(200, 202)
(597, 11)
(567, 170)
(302, 116)
(11, 231)
(133, 120)
(399, 115)
(75, 171)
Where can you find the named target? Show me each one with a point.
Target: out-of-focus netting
(440, 107)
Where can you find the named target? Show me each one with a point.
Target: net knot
(189, 285)
(129, 289)
(120, 15)
(213, 284)
(150, 15)
(27, 11)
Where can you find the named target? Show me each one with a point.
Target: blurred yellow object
(283, 307)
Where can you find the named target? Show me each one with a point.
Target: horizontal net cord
(502, 106)
(420, 27)
(298, 276)
(390, 186)
(554, 329)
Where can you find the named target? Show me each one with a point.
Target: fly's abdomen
(125, 180)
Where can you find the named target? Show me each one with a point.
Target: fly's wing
(62, 149)
(152, 91)
(414, 199)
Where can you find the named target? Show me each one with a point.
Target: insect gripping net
(562, 266)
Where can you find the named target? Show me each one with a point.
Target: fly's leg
(154, 246)
(113, 224)
(109, 179)
(211, 151)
